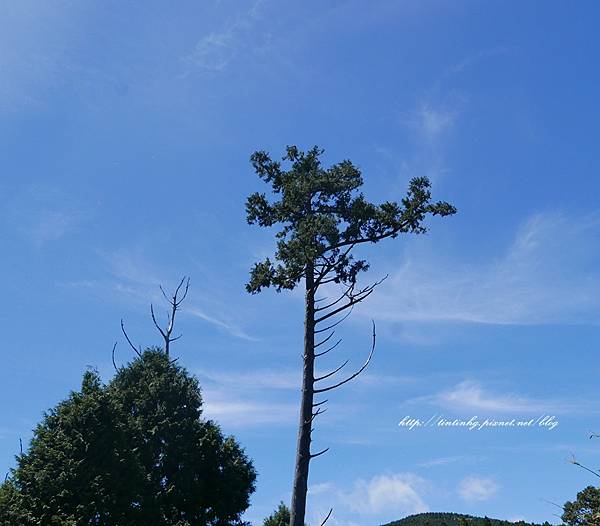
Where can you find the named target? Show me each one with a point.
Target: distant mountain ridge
(455, 519)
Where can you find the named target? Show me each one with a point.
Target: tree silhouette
(322, 217)
(135, 451)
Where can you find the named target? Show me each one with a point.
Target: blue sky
(125, 133)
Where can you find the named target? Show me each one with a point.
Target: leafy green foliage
(323, 216)
(11, 510)
(454, 519)
(585, 511)
(133, 452)
(281, 516)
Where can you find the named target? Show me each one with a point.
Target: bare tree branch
(327, 518)
(329, 349)
(553, 504)
(328, 375)
(156, 323)
(318, 412)
(349, 290)
(353, 299)
(319, 453)
(325, 340)
(113, 357)
(138, 352)
(174, 301)
(574, 461)
(325, 389)
(349, 304)
(336, 323)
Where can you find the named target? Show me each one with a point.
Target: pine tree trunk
(298, 508)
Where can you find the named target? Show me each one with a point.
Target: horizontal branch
(334, 324)
(314, 415)
(319, 453)
(325, 340)
(333, 303)
(328, 375)
(353, 299)
(329, 349)
(370, 239)
(351, 303)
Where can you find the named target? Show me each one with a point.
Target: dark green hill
(455, 519)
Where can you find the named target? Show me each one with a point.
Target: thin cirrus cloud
(284, 379)
(136, 280)
(289, 379)
(244, 399)
(477, 489)
(141, 278)
(548, 275)
(226, 326)
(214, 52)
(235, 411)
(471, 396)
(42, 215)
(444, 461)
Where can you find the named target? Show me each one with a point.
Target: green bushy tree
(585, 510)
(132, 453)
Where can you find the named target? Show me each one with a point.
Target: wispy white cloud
(290, 379)
(431, 122)
(430, 126)
(248, 398)
(471, 396)
(233, 410)
(215, 51)
(245, 397)
(549, 274)
(444, 461)
(382, 496)
(42, 214)
(475, 58)
(258, 379)
(477, 489)
(132, 267)
(226, 326)
(134, 278)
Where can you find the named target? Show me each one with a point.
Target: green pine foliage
(322, 215)
(133, 452)
(281, 516)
